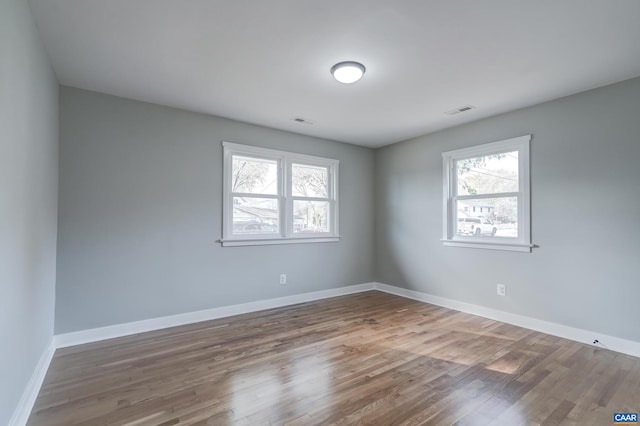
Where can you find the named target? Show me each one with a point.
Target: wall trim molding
(587, 337)
(31, 391)
(126, 329)
(613, 343)
(27, 401)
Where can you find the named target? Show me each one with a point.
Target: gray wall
(585, 215)
(140, 211)
(28, 201)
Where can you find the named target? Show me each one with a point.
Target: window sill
(273, 241)
(526, 248)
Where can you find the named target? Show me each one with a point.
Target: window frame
(450, 196)
(284, 197)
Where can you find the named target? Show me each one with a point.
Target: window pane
(310, 181)
(310, 216)
(254, 175)
(488, 217)
(255, 215)
(490, 174)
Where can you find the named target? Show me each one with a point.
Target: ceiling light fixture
(348, 72)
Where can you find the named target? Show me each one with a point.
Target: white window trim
(285, 198)
(449, 220)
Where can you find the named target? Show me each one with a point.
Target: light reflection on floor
(265, 385)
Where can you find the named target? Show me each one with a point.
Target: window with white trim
(278, 197)
(487, 196)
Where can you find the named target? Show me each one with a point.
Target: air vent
(461, 109)
(303, 120)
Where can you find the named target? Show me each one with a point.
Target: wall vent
(460, 109)
(303, 120)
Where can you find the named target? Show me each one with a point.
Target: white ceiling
(266, 62)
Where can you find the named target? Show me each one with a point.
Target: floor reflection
(280, 389)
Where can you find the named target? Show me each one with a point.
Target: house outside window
(487, 196)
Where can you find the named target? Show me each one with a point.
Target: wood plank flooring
(369, 358)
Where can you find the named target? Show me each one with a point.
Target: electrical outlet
(502, 290)
(283, 278)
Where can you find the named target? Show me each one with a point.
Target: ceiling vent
(461, 109)
(303, 120)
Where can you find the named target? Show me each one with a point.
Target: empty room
(218, 212)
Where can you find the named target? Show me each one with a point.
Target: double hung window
(487, 196)
(278, 197)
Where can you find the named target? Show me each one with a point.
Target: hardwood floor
(369, 358)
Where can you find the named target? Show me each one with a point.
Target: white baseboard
(28, 399)
(119, 330)
(579, 335)
(617, 344)
(23, 410)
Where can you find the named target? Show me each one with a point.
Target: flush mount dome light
(347, 72)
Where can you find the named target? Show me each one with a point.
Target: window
(486, 196)
(277, 197)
